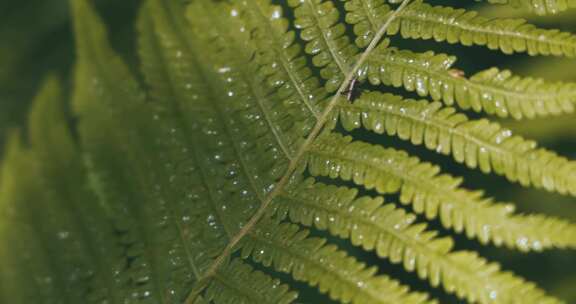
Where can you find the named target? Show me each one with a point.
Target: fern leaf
(53, 174)
(539, 7)
(423, 21)
(193, 93)
(139, 173)
(156, 190)
(436, 195)
(19, 270)
(393, 234)
(493, 91)
(238, 283)
(326, 39)
(286, 133)
(292, 94)
(259, 136)
(477, 143)
(281, 60)
(53, 145)
(239, 48)
(288, 249)
(365, 15)
(31, 255)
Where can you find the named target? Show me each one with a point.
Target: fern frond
(157, 192)
(365, 15)
(44, 202)
(244, 78)
(494, 91)
(539, 7)
(326, 39)
(193, 96)
(291, 169)
(393, 234)
(142, 173)
(251, 134)
(238, 283)
(289, 249)
(436, 195)
(281, 118)
(29, 254)
(19, 268)
(63, 172)
(477, 143)
(281, 60)
(247, 137)
(423, 21)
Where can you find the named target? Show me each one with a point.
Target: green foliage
(539, 7)
(436, 195)
(232, 170)
(423, 21)
(477, 143)
(493, 91)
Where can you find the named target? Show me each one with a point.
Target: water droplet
(223, 70)
(493, 294)
(277, 14)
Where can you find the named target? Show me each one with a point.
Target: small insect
(349, 92)
(456, 73)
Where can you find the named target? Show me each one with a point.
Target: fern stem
(295, 162)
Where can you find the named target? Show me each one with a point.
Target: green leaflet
(494, 91)
(331, 49)
(477, 143)
(259, 288)
(436, 195)
(58, 211)
(29, 276)
(424, 21)
(281, 59)
(195, 182)
(288, 249)
(393, 234)
(136, 165)
(538, 6)
(192, 239)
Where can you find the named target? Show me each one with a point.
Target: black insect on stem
(349, 93)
